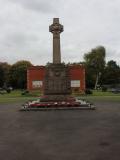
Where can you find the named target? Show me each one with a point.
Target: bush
(104, 89)
(88, 91)
(26, 92)
(8, 90)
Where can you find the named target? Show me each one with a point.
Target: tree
(18, 74)
(95, 64)
(1, 75)
(111, 73)
(4, 74)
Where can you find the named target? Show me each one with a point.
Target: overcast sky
(24, 29)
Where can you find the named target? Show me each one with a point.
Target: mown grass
(101, 96)
(100, 93)
(16, 96)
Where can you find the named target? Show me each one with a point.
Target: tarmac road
(60, 135)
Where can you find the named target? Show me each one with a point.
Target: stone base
(57, 85)
(58, 108)
(75, 104)
(56, 98)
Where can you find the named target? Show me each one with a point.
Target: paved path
(60, 135)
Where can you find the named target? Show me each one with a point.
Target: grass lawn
(15, 96)
(100, 93)
(102, 96)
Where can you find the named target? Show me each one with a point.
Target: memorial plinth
(57, 82)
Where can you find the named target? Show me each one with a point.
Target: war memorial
(57, 87)
(57, 80)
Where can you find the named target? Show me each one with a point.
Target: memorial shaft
(56, 29)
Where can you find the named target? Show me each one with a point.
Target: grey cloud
(24, 30)
(45, 6)
(20, 39)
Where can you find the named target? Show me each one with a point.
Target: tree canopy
(18, 74)
(95, 64)
(14, 75)
(4, 73)
(96, 58)
(111, 74)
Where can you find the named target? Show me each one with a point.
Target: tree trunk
(96, 82)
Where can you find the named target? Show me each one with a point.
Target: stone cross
(56, 28)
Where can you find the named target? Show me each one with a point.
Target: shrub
(8, 90)
(88, 91)
(104, 89)
(26, 92)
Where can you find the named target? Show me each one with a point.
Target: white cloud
(24, 30)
